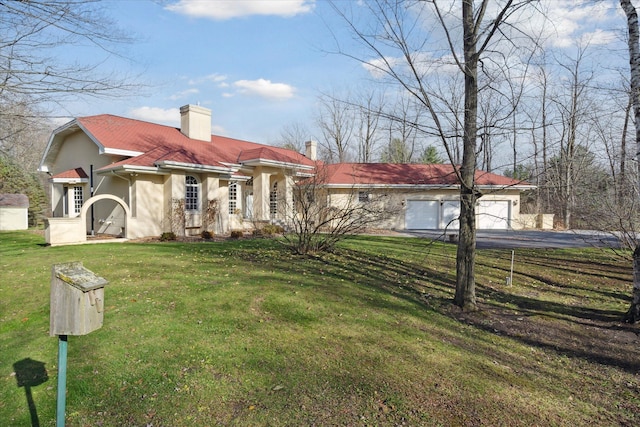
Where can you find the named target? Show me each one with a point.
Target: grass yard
(242, 333)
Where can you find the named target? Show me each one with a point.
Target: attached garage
(493, 214)
(443, 214)
(427, 197)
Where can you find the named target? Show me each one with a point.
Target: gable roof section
(144, 140)
(401, 175)
(77, 173)
(71, 176)
(275, 156)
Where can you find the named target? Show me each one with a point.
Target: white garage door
(450, 215)
(422, 214)
(493, 214)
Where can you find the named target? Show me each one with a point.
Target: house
(129, 178)
(429, 194)
(14, 212)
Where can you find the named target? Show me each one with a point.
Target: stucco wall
(149, 207)
(78, 151)
(14, 218)
(62, 231)
(395, 201)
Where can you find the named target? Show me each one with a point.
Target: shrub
(236, 234)
(271, 229)
(166, 236)
(206, 235)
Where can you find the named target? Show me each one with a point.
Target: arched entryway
(87, 205)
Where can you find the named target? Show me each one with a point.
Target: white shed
(14, 212)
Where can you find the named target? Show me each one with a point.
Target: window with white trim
(191, 194)
(78, 199)
(233, 197)
(273, 201)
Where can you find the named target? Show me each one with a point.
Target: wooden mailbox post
(77, 304)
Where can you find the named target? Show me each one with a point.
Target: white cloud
(424, 63)
(216, 78)
(170, 116)
(229, 9)
(576, 22)
(379, 67)
(213, 78)
(184, 94)
(264, 88)
(599, 37)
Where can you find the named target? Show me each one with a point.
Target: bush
(271, 229)
(236, 234)
(164, 237)
(206, 235)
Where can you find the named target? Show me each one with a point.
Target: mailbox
(77, 300)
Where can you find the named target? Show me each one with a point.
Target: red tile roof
(405, 174)
(168, 143)
(77, 173)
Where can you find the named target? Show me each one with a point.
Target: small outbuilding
(14, 212)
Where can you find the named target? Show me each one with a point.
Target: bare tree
(23, 137)
(402, 132)
(336, 122)
(393, 36)
(573, 106)
(369, 107)
(293, 137)
(31, 32)
(538, 117)
(317, 218)
(633, 314)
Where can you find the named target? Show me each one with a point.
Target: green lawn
(244, 333)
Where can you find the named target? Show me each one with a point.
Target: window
(78, 199)
(233, 197)
(191, 198)
(363, 196)
(273, 201)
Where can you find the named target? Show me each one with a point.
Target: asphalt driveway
(512, 239)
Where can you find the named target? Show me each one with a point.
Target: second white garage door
(493, 214)
(436, 215)
(422, 214)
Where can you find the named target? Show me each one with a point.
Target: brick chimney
(195, 122)
(311, 150)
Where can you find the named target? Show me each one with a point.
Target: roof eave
(194, 167)
(133, 169)
(428, 186)
(69, 180)
(119, 152)
(395, 186)
(276, 163)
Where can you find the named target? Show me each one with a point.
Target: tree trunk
(465, 296)
(633, 315)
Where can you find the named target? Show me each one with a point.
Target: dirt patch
(602, 341)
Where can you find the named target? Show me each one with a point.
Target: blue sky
(259, 65)
(257, 68)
